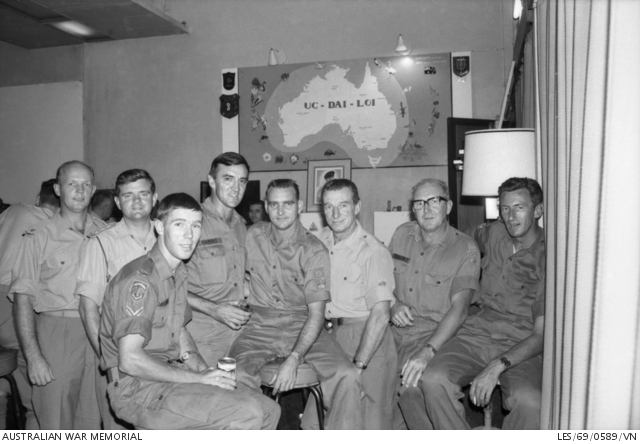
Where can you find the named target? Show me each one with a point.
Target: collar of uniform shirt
(162, 266)
(299, 235)
(62, 225)
(442, 243)
(211, 211)
(536, 247)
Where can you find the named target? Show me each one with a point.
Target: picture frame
(318, 172)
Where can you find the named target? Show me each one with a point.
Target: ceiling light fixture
(401, 47)
(74, 28)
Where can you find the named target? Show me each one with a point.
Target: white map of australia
(315, 106)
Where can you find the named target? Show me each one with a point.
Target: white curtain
(588, 55)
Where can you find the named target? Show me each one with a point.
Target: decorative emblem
(382, 283)
(229, 80)
(461, 65)
(229, 105)
(139, 290)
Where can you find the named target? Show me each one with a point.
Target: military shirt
(145, 298)
(104, 255)
(216, 269)
(361, 274)
(426, 278)
(289, 276)
(512, 288)
(47, 264)
(14, 221)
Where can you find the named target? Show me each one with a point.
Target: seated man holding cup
(157, 378)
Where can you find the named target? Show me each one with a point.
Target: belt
(62, 313)
(344, 321)
(114, 375)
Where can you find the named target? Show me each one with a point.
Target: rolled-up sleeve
(379, 280)
(468, 273)
(134, 309)
(317, 278)
(26, 271)
(92, 277)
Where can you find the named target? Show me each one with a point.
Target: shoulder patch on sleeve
(138, 290)
(382, 283)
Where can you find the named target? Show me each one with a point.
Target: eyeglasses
(432, 202)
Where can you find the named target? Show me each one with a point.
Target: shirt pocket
(350, 289)
(436, 295)
(56, 273)
(212, 264)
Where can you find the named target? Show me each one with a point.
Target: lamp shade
(493, 156)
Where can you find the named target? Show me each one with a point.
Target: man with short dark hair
(106, 252)
(13, 223)
(257, 212)
(289, 270)
(361, 293)
(157, 377)
(216, 270)
(60, 362)
(436, 270)
(102, 204)
(503, 342)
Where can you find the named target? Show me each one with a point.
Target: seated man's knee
(526, 399)
(434, 377)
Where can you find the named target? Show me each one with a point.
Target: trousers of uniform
(9, 339)
(273, 333)
(69, 401)
(409, 340)
(212, 338)
(379, 379)
(109, 419)
(456, 364)
(178, 406)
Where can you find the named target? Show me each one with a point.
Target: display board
(379, 112)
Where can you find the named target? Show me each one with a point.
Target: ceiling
(30, 23)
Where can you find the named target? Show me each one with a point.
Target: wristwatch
(505, 361)
(360, 365)
(296, 355)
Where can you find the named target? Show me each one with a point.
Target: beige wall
(153, 103)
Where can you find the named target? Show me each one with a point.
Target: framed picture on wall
(320, 172)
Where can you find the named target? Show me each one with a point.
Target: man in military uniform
(216, 270)
(13, 223)
(503, 342)
(289, 270)
(361, 293)
(436, 273)
(106, 253)
(157, 378)
(60, 361)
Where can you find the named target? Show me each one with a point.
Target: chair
(8, 363)
(306, 379)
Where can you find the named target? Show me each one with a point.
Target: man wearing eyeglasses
(502, 343)
(289, 286)
(436, 271)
